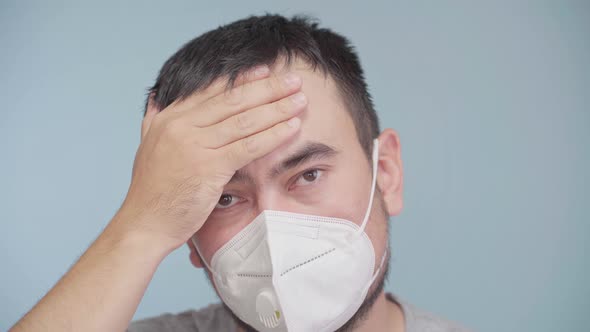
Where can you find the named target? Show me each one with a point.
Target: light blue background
(490, 99)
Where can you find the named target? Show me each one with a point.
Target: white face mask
(295, 272)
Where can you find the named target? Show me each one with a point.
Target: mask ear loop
(375, 160)
(378, 269)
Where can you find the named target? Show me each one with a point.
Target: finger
(252, 121)
(151, 111)
(244, 151)
(256, 73)
(253, 74)
(219, 86)
(245, 97)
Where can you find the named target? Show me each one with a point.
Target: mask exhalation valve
(268, 309)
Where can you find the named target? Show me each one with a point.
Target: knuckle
(277, 132)
(274, 85)
(243, 121)
(234, 96)
(219, 135)
(172, 128)
(283, 107)
(250, 145)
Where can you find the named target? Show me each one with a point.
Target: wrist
(123, 231)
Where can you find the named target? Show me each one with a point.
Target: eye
(226, 201)
(308, 177)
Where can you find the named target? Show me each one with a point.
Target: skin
(340, 189)
(187, 158)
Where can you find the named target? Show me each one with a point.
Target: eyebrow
(309, 151)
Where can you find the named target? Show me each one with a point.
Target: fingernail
(294, 122)
(299, 99)
(292, 80)
(261, 70)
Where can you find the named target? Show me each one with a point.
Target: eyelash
(297, 178)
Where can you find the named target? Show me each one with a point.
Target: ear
(194, 256)
(390, 172)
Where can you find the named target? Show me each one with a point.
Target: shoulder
(211, 318)
(420, 320)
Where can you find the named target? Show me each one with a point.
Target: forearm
(102, 290)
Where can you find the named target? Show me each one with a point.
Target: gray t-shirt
(215, 318)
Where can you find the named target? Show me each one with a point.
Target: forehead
(324, 120)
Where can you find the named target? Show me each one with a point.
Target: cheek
(377, 226)
(211, 238)
(348, 196)
(220, 229)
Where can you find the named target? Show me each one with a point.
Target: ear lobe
(390, 172)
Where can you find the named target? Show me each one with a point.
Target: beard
(359, 316)
(364, 309)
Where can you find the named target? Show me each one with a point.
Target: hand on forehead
(325, 120)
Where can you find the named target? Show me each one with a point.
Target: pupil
(310, 176)
(225, 200)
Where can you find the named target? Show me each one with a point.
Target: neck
(384, 315)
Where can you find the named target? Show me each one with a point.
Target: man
(262, 152)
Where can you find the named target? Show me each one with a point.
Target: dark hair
(244, 44)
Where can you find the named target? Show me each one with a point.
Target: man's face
(322, 171)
